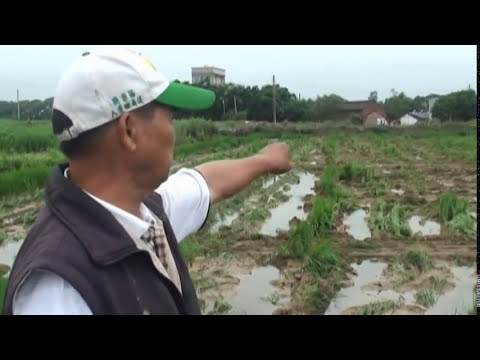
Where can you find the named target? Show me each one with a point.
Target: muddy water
(8, 252)
(279, 220)
(399, 192)
(428, 229)
(459, 300)
(357, 226)
(253, 291)
(227, 221)
(367, 272)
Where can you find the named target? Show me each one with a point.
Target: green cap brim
(187, 97)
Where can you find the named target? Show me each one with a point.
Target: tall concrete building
(215, 75)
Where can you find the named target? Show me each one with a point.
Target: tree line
(237, 102)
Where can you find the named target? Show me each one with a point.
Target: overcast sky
(351, 71)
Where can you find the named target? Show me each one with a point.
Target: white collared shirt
(186, 192)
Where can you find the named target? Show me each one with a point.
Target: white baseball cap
(100, 86)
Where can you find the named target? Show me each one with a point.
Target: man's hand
(277, 158)
(226, 178)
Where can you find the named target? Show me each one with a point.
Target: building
(375, 118)
(431, 100)
(216, 76)
(412, 119)
(371, 113)
(351, 108)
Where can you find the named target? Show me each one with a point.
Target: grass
(451, 206)
(26, 137)
(3, 289)
(377, 188)
(190, 249)
(328, 181)
(203, 284)
(419, 260)
(377, 308)
(273, 299)
(16, 201)
(18, 181)
(323, 215)
(3, 236)
(390, 218)
(299, 241)
(301, 238)
(220, 307)
(330, 146)
(18, 161)
(463, 223)
(409, 266)
(454, 212)
(316, 299)
(425, 297)
(220, 144)
(194, 129)
(205, 245)
(438, 284)
(323, 260)
(356, 173)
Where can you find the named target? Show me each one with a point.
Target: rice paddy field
(371, 221)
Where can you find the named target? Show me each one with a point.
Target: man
(107, 240)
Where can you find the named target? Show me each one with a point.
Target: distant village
(370, 111)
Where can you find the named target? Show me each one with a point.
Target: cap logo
(126, 101)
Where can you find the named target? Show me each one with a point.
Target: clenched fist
(277, 158)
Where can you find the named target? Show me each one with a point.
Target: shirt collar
(131, 223)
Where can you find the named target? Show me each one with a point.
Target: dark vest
(78, 239)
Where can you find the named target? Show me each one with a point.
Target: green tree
(457, 106)
(327, 107)
(398, 105)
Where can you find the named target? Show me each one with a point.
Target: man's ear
(128, 132)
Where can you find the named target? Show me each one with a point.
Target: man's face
(154, 155)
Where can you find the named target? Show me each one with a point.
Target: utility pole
(223, 102)
(235, 102)
(274, 102)
(18, 105)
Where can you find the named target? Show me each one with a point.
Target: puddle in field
(254, 291)
(398, 192)
(367, 272)
(255, 294)
(446, 184)
(459, 300)
(8, 252)
(357, 226)
(226, 221)
(281, 216)
(428, 229)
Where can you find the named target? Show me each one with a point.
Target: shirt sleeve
(186, 200)
(45, 293)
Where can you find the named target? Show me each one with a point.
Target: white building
(407, 120)
(215, 75)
